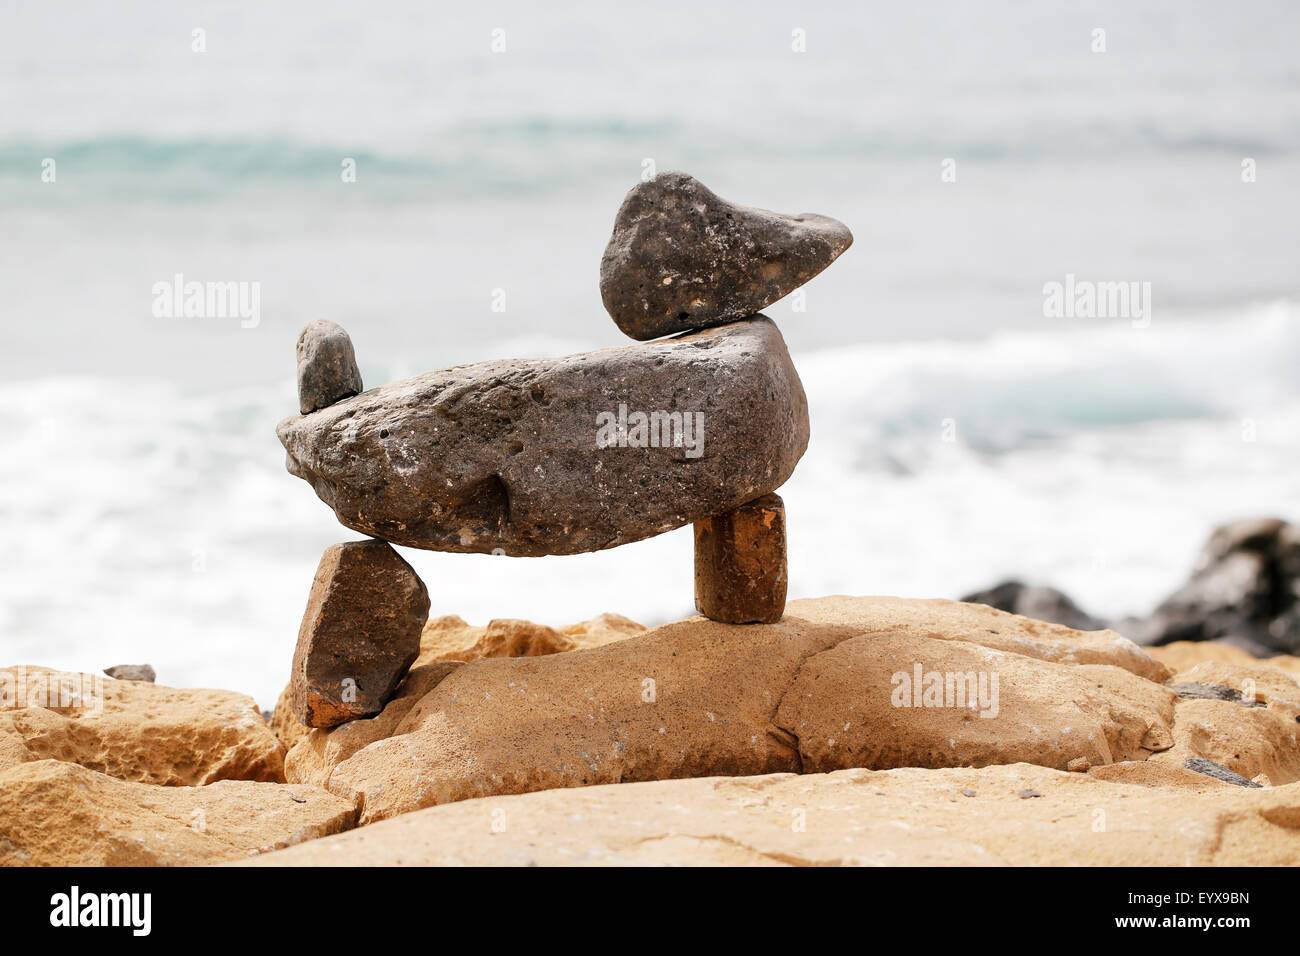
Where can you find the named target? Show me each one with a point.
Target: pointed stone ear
(681, 258)
(327, 366)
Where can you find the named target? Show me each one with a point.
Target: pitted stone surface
(548, 456)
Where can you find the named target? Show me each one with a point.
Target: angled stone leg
(740, 564)
(359, 635)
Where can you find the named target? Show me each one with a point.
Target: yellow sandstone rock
(134, 731)
(445, 641)
(981, 712)
(451, 639)
(700, 698)
(898, 817)
(285, 724)
(61, 814)
(1183, 655)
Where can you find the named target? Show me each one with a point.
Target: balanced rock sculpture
(532, 457)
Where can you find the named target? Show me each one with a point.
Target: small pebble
(327, 366)
(141, 672)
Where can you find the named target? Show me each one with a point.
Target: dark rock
(1028, 794)
(1036, 601)
(524, 456)
(1245, 590)
(967, 792)
(1287, 551)
(1191, 690)
(327, 366)
(740, 563)
(359, 635)
(1219, 772)
(141, 672)
(1220, 599)
(681, 258)
(1132, 627)
(1249, 534)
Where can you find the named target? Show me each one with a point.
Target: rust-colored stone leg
(740, 567)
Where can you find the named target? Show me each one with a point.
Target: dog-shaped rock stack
(531, 457)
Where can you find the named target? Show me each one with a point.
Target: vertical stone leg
(740, 567)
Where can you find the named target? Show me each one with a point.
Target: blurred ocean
(145, 509)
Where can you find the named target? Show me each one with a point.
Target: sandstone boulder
(1185, 655)
(1234, 710)
(451, 639)
(699, 698)
(560, 456)
(1001, 708)
(133, 730)
(903, 817)
(445, 640)
(1257, 683)
(284, 723)
(1246, 740)
(445, 643)
(682, 258)
(60, 814)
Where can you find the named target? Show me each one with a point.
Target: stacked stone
(532, 457)
(683, 259)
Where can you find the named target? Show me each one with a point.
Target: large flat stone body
(504, 455)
